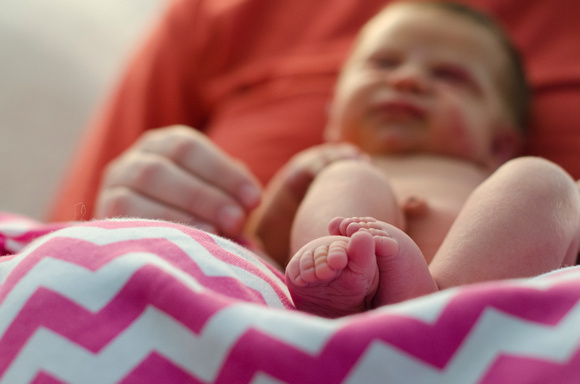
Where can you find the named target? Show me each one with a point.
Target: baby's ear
(506, 144)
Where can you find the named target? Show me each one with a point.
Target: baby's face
(422, 80)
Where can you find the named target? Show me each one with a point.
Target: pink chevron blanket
(137, 301)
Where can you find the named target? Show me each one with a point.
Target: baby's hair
(516, 91)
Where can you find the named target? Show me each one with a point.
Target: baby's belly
(444, 184)
(429, 228)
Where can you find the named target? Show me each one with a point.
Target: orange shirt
(257, 75)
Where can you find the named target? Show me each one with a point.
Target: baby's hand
(306, 165)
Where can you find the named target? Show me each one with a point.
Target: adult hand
(178, 174)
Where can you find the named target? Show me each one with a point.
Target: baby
(436, 95)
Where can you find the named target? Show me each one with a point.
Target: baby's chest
(429, 225)
(430, 207)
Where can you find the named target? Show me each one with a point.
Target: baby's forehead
(440, 32)
(423, 23)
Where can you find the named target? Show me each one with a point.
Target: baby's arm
(344, 189)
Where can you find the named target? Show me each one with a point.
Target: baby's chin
(380, 137)
(393, 139)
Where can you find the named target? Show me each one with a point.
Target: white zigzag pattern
(428, 308)
(97, 288)
(200, 355)
(14, 246)
(155, 331)
(16, 227)
(192, 248)
(7, 266)
(263, 378)
(495, 333)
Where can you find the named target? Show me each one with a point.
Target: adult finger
(160, 180)
(126, 202)
(196, 154)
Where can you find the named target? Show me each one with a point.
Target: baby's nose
(409, 79)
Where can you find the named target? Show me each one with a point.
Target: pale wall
(58, 60)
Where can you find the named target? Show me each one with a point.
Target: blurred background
(58, 61)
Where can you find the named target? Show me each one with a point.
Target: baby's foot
(403, 271)
(363, 264)
(335, 275)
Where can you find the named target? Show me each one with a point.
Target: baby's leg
(345, 189)
(523, 221)
(364, 264)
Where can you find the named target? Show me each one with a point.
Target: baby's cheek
(463, 139)
(453, 137)
(464, 132)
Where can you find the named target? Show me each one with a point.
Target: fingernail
(249, 195)
(230, 218)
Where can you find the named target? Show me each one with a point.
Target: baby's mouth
(400, 110)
